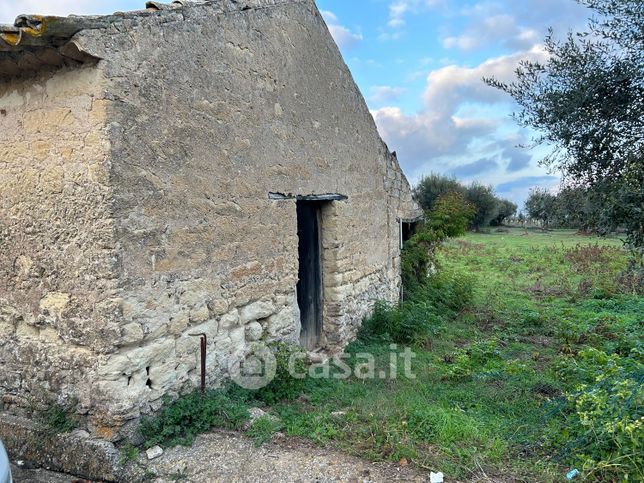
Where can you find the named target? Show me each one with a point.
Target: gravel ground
(230, 457)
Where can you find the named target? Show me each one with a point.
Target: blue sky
(419, 65)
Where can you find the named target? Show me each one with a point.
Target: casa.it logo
(256, 369)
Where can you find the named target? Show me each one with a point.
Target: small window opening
(149, 381)
(407, 230)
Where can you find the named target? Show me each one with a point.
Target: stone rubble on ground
(154, 452)
(436, 477)
(257, 414)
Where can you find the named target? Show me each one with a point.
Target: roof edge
(35, 41)
(52, 31)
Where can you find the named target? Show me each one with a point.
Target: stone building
(197, 167)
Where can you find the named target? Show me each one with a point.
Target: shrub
(449, 218)
(569, 333)
(416, 259)
(407, 324)
(264, 428)
(631, 281)
(129, 453)
(284, 385)
(585, 258)
(487, 207)
(451, 215)
(449, 292)
(533, 319)
(432, 187)
(424, 315)
(58, 419)
(180, 421)
(604, 413)
(465, 362)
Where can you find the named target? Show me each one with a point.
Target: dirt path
(230, 457)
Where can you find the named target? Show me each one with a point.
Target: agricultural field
(528, 365)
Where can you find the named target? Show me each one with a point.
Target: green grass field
(486, 391)
(547, 312)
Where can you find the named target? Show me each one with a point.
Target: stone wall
(209, 108)
(57, 250)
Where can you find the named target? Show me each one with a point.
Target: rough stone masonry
(138, 152)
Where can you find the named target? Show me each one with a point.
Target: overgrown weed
(58, 419)
(509, 383)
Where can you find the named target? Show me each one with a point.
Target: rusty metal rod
(204, 342)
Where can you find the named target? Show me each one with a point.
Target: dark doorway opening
(309, 285)
(408, 229)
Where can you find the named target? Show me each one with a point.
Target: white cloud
(528, 37)
(427, 135)
(463, 42)
(398, 10)
(384, 36)
(329, 17)
(10, 9)
(493, 22)
(442, 135)
(415, 75)
(451, 85)
(344, 37)
(359, 62)
(384, 94)
(494, 28)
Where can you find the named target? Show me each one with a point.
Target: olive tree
(587, 102)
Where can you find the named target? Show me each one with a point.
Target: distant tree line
(488, 209)
(573, 207)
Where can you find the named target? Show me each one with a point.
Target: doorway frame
(327, 201)
(310, 285)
